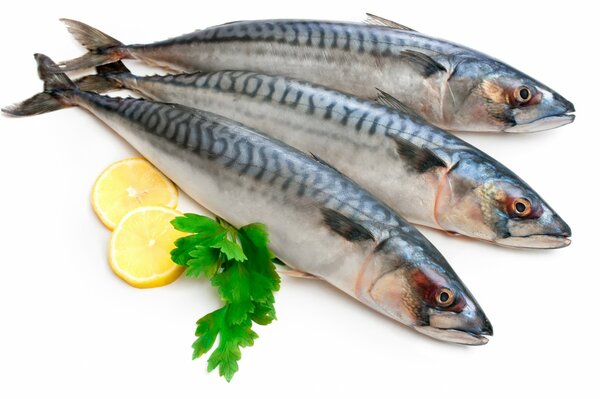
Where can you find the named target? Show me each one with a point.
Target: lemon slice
(140, 246)
(129, 184)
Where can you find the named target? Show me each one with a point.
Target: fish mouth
(455, 336)
(536, 241)
(546, 123)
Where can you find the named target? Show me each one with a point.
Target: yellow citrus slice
(140, 246)
(129, 184)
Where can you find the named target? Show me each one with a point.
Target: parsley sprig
(240, 265)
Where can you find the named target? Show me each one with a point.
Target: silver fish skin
(425, 174)
(449, 85)
(319, 221)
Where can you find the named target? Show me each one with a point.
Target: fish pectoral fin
(390, 101)
(419, 159)
(288, 271)
(345, 227)
(380, 21)
(422, 62)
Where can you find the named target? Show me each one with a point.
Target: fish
(425, 174)
(319, 221)
(451, 86)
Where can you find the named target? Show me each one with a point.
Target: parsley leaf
(227, 354)
(230, 249)
(203, 261)
(207, 330)
(234, 289)
(192, 223)
(240, 264)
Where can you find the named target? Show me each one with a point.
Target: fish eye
(444, 297)
(520, 207)
(522, 94)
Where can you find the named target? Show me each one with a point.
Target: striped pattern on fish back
(267, 161)
(363, 117)
(353, 37)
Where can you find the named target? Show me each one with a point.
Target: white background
(69, 328)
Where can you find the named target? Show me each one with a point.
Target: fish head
(490, 96)
(486, 200)
(422, 291)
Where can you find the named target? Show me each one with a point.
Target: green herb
(240, 265)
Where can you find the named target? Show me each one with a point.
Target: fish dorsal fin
(345, 227)
(380, 21)
(323, 162)
(225, 24)
(392, 102)
(419, 159)
(424, 63)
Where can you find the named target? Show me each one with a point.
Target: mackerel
(449, 85)
(428, 176)
(319, 221)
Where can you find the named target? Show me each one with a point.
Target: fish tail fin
(106, 78)
(53, 81)
(56, 95)
(103, 49)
